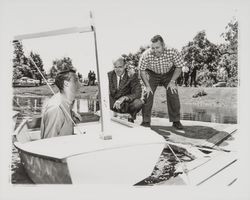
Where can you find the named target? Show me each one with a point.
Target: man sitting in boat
(124, 90)
(57, 117)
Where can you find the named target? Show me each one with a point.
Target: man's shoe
(131, 120)
(177, 125)
(145, 124)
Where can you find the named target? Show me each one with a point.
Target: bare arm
(179, 62)
(177, 73)
(144, 78)
(146, 82)
(172, 85)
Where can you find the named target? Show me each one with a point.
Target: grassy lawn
(85, 91)
(216, 97)
(225, 97)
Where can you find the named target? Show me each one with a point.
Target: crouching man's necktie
(119, 82)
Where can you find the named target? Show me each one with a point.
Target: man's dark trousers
(130, 107)
(173, 101)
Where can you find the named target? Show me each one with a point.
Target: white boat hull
(42, 170)
(128, 165)
(129, 157)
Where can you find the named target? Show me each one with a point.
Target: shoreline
(215, 97)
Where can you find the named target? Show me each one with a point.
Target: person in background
(193, 73)
(124, 90)
(89, 77)
(186, 73)
(163, 66)
(93, 78)
(57, 116)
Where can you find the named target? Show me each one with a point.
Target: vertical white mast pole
(98, 71)
(102, 105)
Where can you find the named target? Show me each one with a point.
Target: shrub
(199, 93)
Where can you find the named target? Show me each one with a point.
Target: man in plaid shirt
(161, 66)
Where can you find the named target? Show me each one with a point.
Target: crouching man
(124, 90)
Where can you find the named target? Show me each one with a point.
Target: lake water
(33, 105)
(223, 115)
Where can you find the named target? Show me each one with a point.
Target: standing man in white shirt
(163, 66)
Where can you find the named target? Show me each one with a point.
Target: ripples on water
(33, 105)
(223, 115)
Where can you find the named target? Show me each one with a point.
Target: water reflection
(206, 114)
(28, 104)
(33, 105)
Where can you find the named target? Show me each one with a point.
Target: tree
(231, 35)
(58, 65)
(229, 53)
(53, 72)
(202, 54)
(39, 63)
(133, 59)
(23, 66)
(63, 64)
(20, 62)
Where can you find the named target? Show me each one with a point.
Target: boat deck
(219, 167)
(218, 139)
(197, 133)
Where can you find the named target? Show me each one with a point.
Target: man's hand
(172, 86)
(148, 91)
(117, 104)
(145, 79)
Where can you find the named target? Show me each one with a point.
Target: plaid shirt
(163, 63)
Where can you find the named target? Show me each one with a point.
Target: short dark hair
(63, 76)
(157, 38)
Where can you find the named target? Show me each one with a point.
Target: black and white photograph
(139, 97)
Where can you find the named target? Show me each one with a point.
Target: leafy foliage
(213, 62)
(53, 72)
(20, 62)
(62, 64)
(133, 59)
(202, 54)
(228, 63)
(39, 64)
(23, 66)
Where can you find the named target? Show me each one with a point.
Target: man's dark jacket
(129, 86)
